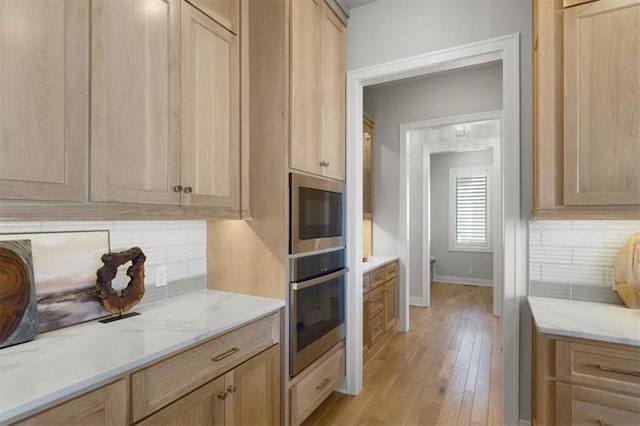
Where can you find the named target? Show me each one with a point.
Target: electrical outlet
(470, 271)
(613, 281)
(161, 276)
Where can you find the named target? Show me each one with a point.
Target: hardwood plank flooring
(447, 370)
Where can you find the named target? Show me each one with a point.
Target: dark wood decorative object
(132, 294)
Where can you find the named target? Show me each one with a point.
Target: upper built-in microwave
(317, 213)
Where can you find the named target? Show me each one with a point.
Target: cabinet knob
(177, 188)
(222, 395)
(188, 189)
(231, 388)
(324, 163)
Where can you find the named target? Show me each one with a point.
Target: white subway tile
(572, 274)
(176, 271)
(197, 235)
(608, 277)
(535, 238)
(161, 237)
(600, 256)
(196, 267)
(119, 240)
(540, 254)
(20, 227)
(535, 272)
(607, 225)
(618, 238)
(539, 225)
(573, 238)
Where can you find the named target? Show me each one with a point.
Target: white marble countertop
(375, 262)
(66, 362)
(586, 320)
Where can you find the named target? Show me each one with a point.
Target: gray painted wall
(454, 263)
(388, 30)
(467, 91)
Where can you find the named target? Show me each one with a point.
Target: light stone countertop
(375, 262)
(586, 320)
(66, 362)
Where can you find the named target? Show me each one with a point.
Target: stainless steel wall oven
(317, 306)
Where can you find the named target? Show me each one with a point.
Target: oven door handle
(318, 280)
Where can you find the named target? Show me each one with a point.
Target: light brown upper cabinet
(586, 115)
(367, 162)
(135, 101)
(317, 89)
(210, 150)
(44, 96)
(225, 12)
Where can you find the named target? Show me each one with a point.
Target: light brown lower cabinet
(584, 382)
(380, 306)
(247, 395)
(104, 406)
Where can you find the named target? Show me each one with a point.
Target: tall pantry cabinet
(586, 114)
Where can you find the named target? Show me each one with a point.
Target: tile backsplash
(181, 246)
(573, 259)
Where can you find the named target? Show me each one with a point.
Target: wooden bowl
(627, 272)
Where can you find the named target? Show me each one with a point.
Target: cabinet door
(601, 114)
(365, 324)
(135, 95)
(333, 94)
(306, 103)
(104, 406)
(204, 406)
(225, 12)
(210, 150)
(390, 302)
(254, 390)
(44, 99)
(367, 162)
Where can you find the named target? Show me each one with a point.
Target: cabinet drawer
(376, 278)
(309, 392)
(376, 301)
(580, 405)
(160, 384)
(376, 328)
(365, 283)
(606, 367)
(390, 271)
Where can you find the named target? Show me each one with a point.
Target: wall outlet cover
(161, 276)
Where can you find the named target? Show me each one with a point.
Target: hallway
(446, 370)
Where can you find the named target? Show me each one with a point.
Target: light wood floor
(446, 370)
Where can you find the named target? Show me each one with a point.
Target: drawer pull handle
(601, 423)
(222, 395)
(322, 385)
(225, 355)
(619, 371)
(231, 388)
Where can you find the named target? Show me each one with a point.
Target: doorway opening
(512, 272)
(466, 246)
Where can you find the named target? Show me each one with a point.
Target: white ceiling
(356, 3)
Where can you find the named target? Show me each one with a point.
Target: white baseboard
(416, 301)
(463, 280)
(524, 422)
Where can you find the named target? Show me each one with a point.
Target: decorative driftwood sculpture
(130, 296)
(627, 272)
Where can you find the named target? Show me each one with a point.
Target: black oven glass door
(319, 213)
(317, 317)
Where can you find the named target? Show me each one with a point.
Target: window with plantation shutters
(469, 209)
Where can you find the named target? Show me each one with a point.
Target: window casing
(469, 209)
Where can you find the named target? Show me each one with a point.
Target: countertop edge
(34, 406)
(375, 264)
(596, 332)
